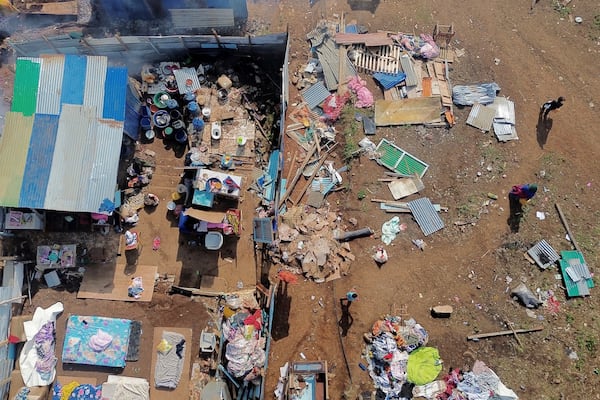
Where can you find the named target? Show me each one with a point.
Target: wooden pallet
(378, 59)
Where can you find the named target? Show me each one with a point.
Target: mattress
(93, 340)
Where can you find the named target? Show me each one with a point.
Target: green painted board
(396, 159)
(572, 287)
(27, 78)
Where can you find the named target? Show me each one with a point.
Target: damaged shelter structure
(183, 124)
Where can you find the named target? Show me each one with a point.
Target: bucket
(241, 140)
(160, 99)
(176, 196)
(181, 188)
(198, 124)
(206, 112)
(175, 114)
(172, 104)
(149, 134)
(168, 131)
(145, 123)
(171, 205)
(181, 136)
(161, 119)
(222, 95)
(193, 108)
(178, 124)
(189, 96)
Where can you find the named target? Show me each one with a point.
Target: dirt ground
(533, 56)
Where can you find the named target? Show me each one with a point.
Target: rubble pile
(308, 246)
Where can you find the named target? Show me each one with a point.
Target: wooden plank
(57, 8)
(503, 333)
(315, 172)
(426, 86)
(418, 110)
(291, 185)
(109, 282)
(182, 389)
(566, 225)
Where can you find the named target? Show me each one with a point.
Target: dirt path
(532, 56)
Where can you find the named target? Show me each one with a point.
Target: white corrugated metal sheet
(73, 160)
(481, 117)
(106, 163)
(95, 78)
(199, 18)
(182, 76)
(51, 80)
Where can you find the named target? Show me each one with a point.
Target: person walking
(551, 105)
(518, 196)
(521, 194)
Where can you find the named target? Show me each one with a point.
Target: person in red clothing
(518, 196)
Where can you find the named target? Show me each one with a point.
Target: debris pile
(308, 245)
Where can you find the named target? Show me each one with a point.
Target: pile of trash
(308, 246)
(403, 367)
(245, 348)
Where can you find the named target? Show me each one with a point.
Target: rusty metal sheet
(420, 110)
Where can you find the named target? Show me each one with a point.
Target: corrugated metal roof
(315, 94)
(409, 69)
(68, 178)
(114, 93)
(27, 76)
(543, 254)
(39, 160)
(505, 132)
(74, 84)
(13, 155)
(70, 161)
(49, 93)
(95, 81)
(182, 75)
(199, 18)
(426, 216)
(481, 117)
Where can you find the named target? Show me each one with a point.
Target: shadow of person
(542, 128)
(281, 324)
(516, 212)
(346, 319)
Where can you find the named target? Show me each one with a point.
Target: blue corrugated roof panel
(114, 93)
(39, 161)
(74, 83)
(388, 81)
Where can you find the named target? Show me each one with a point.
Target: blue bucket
(145, 123)
(172, 103)
(198, 124)
(189, 96)
(193, 108)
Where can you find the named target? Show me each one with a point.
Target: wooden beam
(503, 333)
(566, 225)
(290, 187)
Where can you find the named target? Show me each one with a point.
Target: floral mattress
(95, 340)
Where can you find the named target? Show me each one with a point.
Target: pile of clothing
(245, 350)
(396, 357)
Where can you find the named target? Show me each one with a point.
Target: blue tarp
(131, 125)
(388, 81)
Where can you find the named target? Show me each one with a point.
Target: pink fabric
(100, 341)
(359, 88)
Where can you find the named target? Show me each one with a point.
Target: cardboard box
(35, 393)
(16, 326)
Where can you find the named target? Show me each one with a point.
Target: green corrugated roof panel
(396, 159)
(574, 289)
(27, 78)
